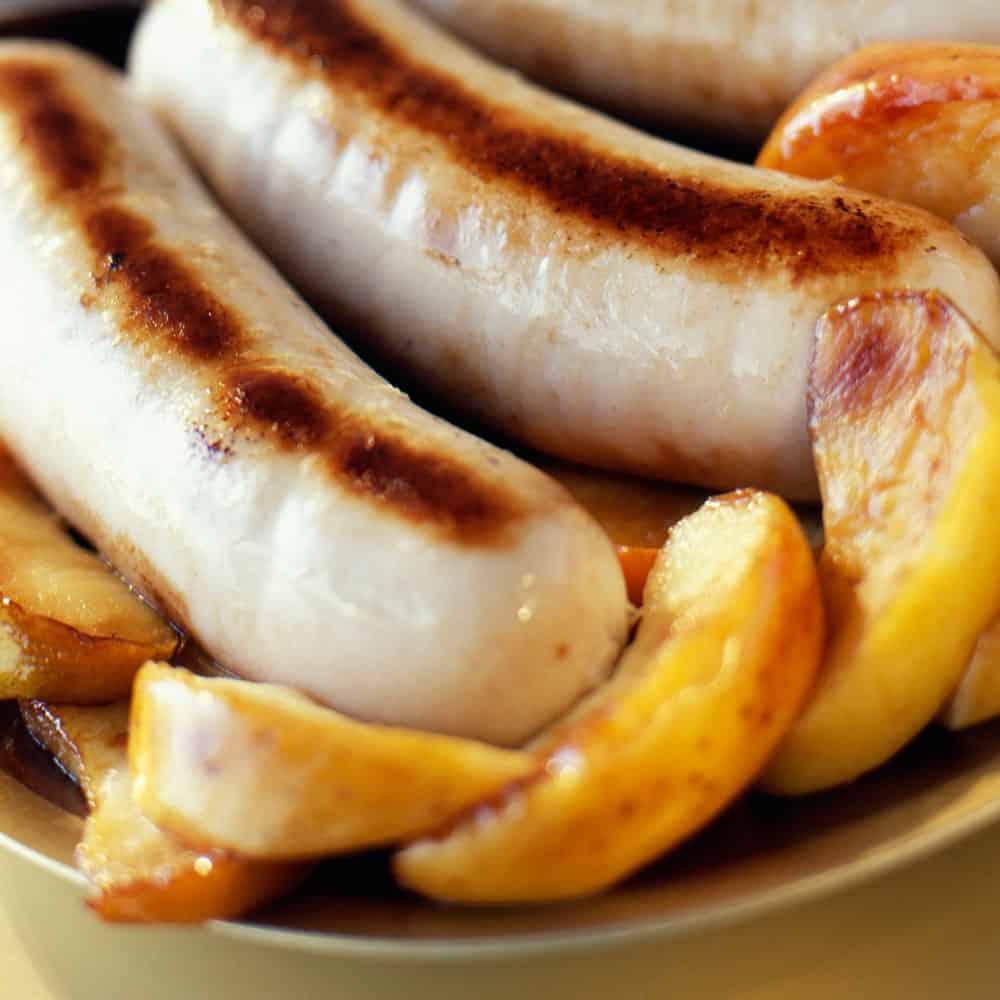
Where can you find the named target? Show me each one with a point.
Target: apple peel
(904, 400)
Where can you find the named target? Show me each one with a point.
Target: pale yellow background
(18, 975)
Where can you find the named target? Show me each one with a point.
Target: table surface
(922, 932)
(20, 978)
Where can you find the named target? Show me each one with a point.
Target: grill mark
(420, 482)
(365, 459)
(331, 39)
(280, 402)
(156, 293)
(77, 157)
(161, 302)
(71, 151)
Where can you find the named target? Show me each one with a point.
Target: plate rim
(914, 846)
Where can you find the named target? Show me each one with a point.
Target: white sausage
(309, 525)
(729, 66)
(594, 292)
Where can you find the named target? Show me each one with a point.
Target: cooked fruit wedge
(206, 753)
(138, 873)
(728, 645)
(977, 697)
(919, 122)
(904, 400)
(86, 741)
(70, 629)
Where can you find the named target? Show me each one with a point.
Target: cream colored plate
(795, 868)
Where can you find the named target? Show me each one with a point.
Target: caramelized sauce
(25, 761)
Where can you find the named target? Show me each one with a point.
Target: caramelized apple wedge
(977, 697)
(138, 873)
(904, 398)
(87, 742)
(70, 630)
(728, 644)
(915, 121)
(264, 771)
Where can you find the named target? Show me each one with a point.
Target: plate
(847, 883)
(774, 899)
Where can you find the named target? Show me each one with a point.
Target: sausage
(723, 66)
(304, 520)
(588, 290)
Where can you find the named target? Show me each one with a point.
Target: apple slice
(70, 629)
(904, 400)
(264, 771)
(86, 741)
(915, 121)
(977, 697)
(727, 647)
(138, 873)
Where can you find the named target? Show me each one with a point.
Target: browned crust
(742, 231)
(70, 150)
(870, 94)
(169, 312)
(156, 295)
(899, 76)
(865, 355)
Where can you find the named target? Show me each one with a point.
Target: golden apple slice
(262, 770)
(904, 397)
(915, 121)
(727, 647)
(70, 629)
(138, 873)
(86, 741)
(977, 697)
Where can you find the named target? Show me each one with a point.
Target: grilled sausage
(587, 289)
(304, 520)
